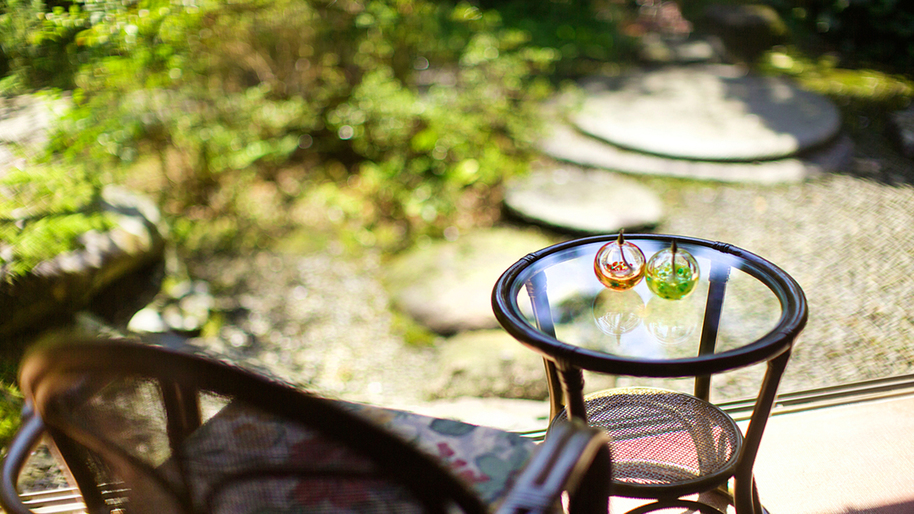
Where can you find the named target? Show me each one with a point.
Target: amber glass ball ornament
(619, 265)
(672, 274)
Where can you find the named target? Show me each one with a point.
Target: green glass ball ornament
(672, 274)
(619, 265)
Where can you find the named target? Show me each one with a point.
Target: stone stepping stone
(583, 201)
(491, 363)
(511, 414)
(709, 113)
(446, 286)
(488, 363)
(566, 144)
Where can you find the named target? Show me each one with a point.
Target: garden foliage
(401, 116)
(873, 31)
(37, 43)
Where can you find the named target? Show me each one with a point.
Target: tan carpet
(851, 459)
(840, 460)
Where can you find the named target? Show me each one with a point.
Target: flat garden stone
(711, 113)
(567, 144)
(446, 286)
(576, 200)
(491, 363)
(488, 363)
(512, 414)
(109, 274)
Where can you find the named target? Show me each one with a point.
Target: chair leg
(756, 502)
(690, 505)
(594, 490)
(27, 437)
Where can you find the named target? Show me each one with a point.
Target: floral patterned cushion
(487, 458)
(240, 438)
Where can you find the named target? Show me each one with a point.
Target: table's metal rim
(775, 342)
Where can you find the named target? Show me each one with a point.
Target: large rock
(112, 272)
(747, 31)
(447, 286)
(583, 201)
(707, 113)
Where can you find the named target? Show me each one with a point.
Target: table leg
(745, 493)
(554, 385)
(542, 313)
(720, 274)
(572, 380)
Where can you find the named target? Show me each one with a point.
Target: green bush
(37, 44)
(414, 110)
(872, 31)
(584, 32)
(10, 407)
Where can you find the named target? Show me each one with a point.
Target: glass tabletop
(735, 303)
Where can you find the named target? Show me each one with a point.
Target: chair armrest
(28, 435)
(574, 458)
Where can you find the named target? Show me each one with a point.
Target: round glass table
(565, 303)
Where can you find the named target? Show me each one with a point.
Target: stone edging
(67, 283)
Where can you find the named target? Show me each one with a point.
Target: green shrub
(865, 95)
(37, 43)
(415, 110)
(871, 31)
(584, 32)
(10, 397)
(10, 411)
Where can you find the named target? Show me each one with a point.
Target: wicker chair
(145, 429)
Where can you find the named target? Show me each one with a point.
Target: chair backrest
(146, 429)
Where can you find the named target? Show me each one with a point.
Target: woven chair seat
(663, 438)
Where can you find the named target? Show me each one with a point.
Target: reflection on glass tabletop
(638, 323)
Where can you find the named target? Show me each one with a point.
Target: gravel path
(322, 319)
(847, 239)
(318, 320)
